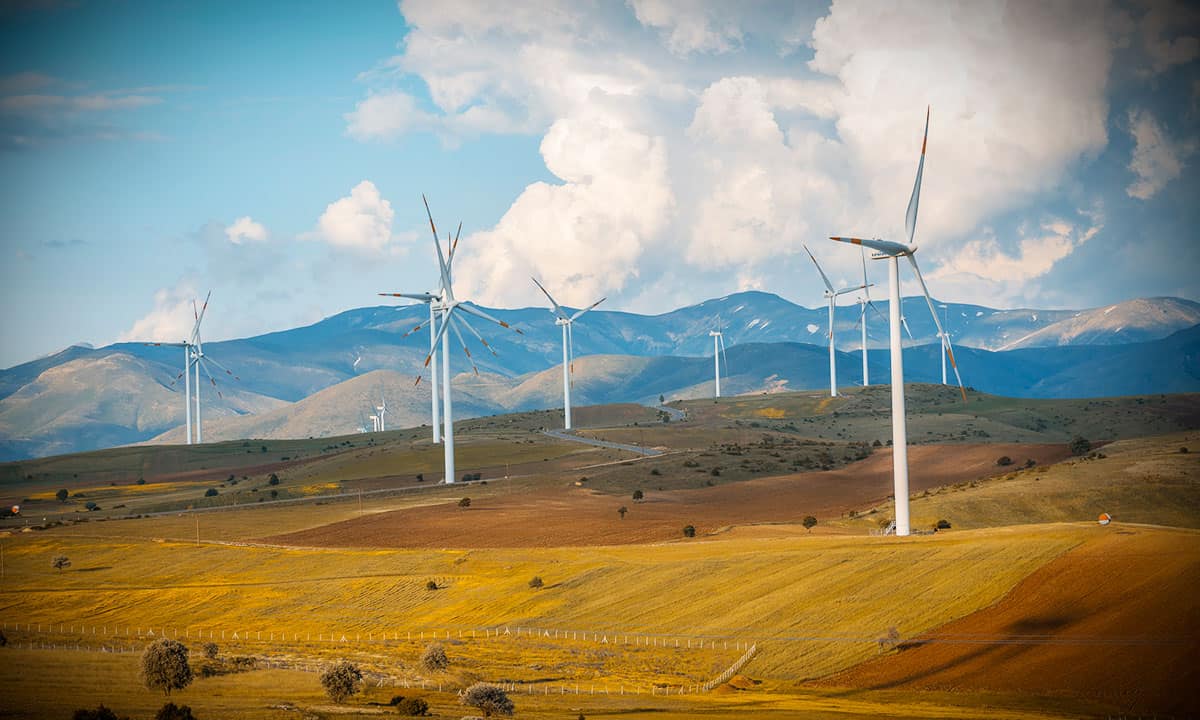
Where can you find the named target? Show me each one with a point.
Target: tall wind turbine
(201, 362)
(382, 409)
(718, 354)
(892, 252)
(832, 295)
(944, 337)
(452, 312)
(187, 381)
(433, 301)
(566, 321)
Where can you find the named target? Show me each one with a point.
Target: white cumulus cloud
(245, 229)
(1157, 160)
(361, 221)
(171, 320)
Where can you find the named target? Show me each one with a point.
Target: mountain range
(323, 379)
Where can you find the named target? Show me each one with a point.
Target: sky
(658, 153)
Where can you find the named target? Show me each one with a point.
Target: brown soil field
(577, 516)
(1115, 620)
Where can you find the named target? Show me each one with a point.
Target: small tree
(431, 585)
(171, 711)
(622, 510)
(273, 480)
(210, 650)
(62, 495)
(211, 492)
(1004, 460)
(1080, 445)
(689, 531)
(434, 658)
(341, 681)
(661, 399)
(638, 495)
(943, 524)
(411, 706)
(536, 582)
(488, 699)
(810, 522)
(165, 666)
(464, 503)
(59, 562)
(100, 713)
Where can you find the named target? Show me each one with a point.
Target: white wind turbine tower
(382, 410)
(718, 354)
(832, 295)
(892, 252)
(452, 311)
(944, 337)
(433, 301)
(187, 380)
(566, 321)
(201, 361)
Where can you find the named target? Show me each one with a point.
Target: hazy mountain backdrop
(325, 378)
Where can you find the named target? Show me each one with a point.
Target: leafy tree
(211, 492)
(91, 505)
(638, 495)
(1080, 445)
(341, 681)
(171, 711)
(689, 531)
(434, 658)
(1004, 460)
(809, 522)
(62, 495)
(431, 585)
(943, 524)
(273, 480)
(165, 666)
(210, 650)
(410, 706)
(488, 699)
(622, 510)
(60, 561)
(661, 399)
(464, 503)
(536, 582)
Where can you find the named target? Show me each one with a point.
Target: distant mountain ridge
(82, 399)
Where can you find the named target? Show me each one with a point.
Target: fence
(733, 669)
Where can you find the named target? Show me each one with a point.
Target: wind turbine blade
(416, 328)
(880, 313)
(557, 310)
(211, 379)
(910, 217)
(423, 297)
(227, 370)
(724, 359)
(453, 323)
(862, 315)
(443, 269)
(904, 322)
(571, 353)
(586, 309)
(822, 272)
(941, 331)
(885, 247)
(454, 245)
(203, 309)
(432, 227)
(475, 332)
(866, 282)
(481, 314)
(850, 290)
(436, 339)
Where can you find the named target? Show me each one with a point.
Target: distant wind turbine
(831, 295)
(718, 355)
(864, 303)
(944, 338)
(452, 311)
(567, 322)
(892, 252)
(433, 301)
(382, 409)
(201, 362)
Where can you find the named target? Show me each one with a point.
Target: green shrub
(943, 524)
(411, 706)
(434, 658)
(689, 531)
(1080, 445)
(536, 582)
(171, 711)
(100, 713)
(341, 681)
(211, 492)
(1004, 460)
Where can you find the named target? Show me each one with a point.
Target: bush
(1030, 463)
(3, 639)
(655, 471)
(431, 585)
(211, 492)
(100, 713)
(410, 706)
(434, 658)
(943, 524)
(165, 666)
(62, 495)
(91, 505)
(715, 472)
(488, 699)
(341, 681)
(689, 531)
(464, 503)
(622, 510)
(536, 582)
(273, 480)
(210, 650)
(1004, 460)
(59, 562)
(638, 495)
(171, 711)
(1080, 445)
(809, 522)
(1183, 450)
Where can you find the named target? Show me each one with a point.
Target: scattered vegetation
(100, 713)
(536, 582)
(465, 502)
(488, 699)
(62, 495)
(689, 531)
(622, 510)
(59, 562)
(809, 522)
(165, 666)
(1080, 445)
(943, 524)
(341, 680)
(211, 492)
(431, 585)
(1004, 460)
(434, 658)
(638, 495)
(210, 650)
(171, 711)
(409, 706)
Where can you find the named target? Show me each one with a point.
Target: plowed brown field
(1116, 620)
(573, 516)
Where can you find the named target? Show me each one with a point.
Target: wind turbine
(892, 252)
(944, 336)
(433, 302)
(452, 311)
(864, 303)
(832, 295)
(187, 381)
(566, 321)
(382, 409)
(718, 353)
(201, 361)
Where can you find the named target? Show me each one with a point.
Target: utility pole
(197, 517)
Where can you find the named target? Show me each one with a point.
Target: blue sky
(659, 153)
